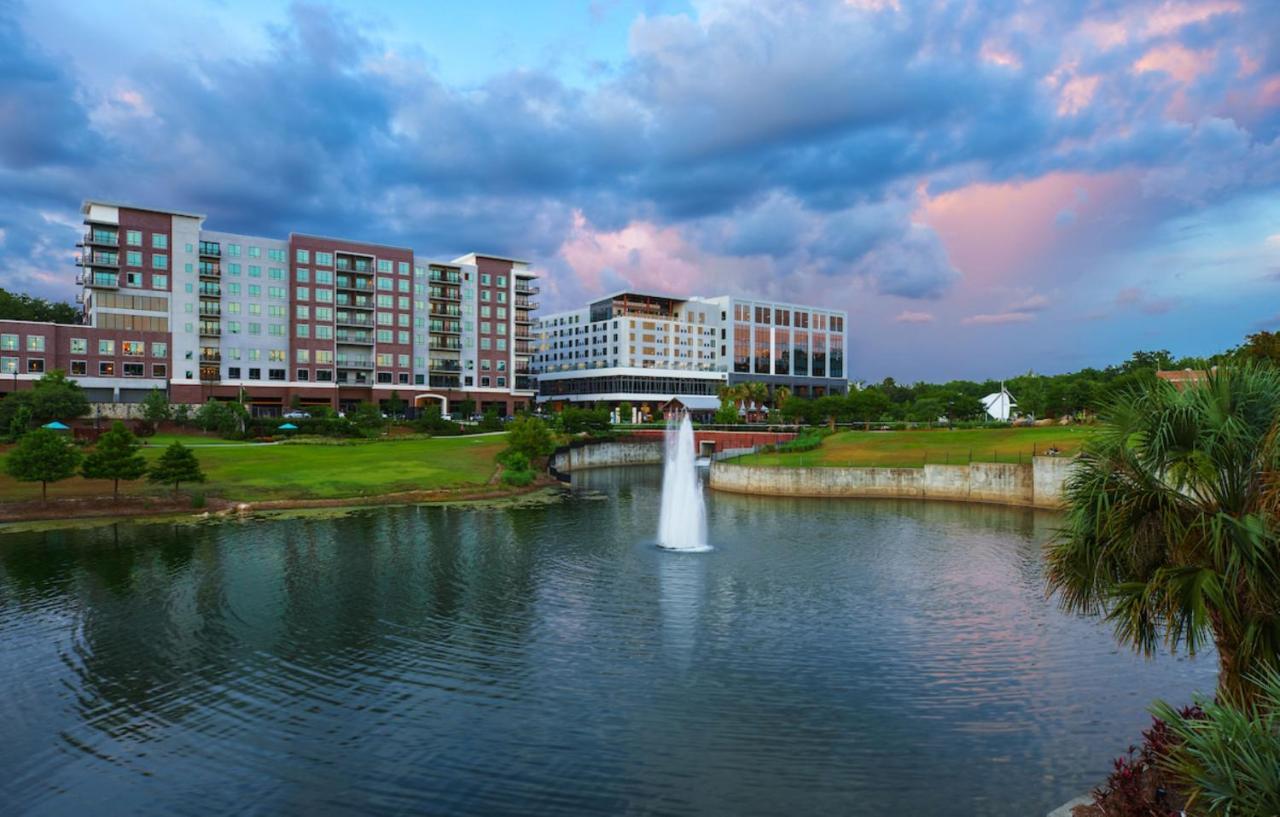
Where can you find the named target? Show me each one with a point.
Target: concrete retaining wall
(604, 455)
(1038, 484)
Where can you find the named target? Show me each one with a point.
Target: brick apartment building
(212, 315)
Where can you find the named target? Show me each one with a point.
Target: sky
(988, 187)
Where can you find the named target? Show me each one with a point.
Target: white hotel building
(647, 349)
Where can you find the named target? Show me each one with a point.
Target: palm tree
(1173, 522)
(781, 395)
(731, 394)
(757, 393)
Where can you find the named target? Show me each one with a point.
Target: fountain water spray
(683, 523)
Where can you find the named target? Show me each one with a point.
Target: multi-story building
(647, 349)
(310, 319)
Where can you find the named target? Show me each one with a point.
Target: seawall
(646, 447)
(1037, 484)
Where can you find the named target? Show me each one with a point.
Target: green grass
(913, 449)
(254, 473)
(162, 440)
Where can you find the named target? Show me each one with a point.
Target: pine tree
(43, 456)
(178, 464)
(116, 456)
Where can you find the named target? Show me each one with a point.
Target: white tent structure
(999, 405)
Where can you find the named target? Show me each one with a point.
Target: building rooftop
(84, 208)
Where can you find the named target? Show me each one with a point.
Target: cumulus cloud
(909, 316)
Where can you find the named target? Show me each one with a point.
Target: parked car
(444, 415)
(296, 415)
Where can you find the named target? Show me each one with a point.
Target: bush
(514, 460)
(1139, 785)
(518, 479)
(530, 437)
(431, 421)
(1226, 754)
(197, 501)
(574, 420)
(490, 422)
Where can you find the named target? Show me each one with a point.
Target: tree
(466, 408)
(54, 397)
(367, 417)
(178, 464)
(20, 424)
(780, 396)
(18, 307)
(155, 409)
(226, 417)
(182, 414)
(395, 406)
(1260, 347)
(116, 456)
(43, 456)
(626, 412)
(1172, 529)
(727, 414)
(529, 437)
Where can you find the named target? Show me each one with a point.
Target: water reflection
(828, 657)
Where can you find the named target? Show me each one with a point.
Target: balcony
(362, 338)
(446, 310)
(354, 363)
(523, 334)
(210, 373)
(210, 249)
(210, 356)
(525, 303)
(526, 289)
(524, 318)
(352, 319)
(445, 345)
(526, 383)
(354, 379)
(101, 238)
(523, 349)
(442, 294)
(210, 330)
(96, 258)
(356, 265)
(211, 310)
(444, 380)
(362, 284)
(437, 365)
(442, 277)
(355, 301)
(99, 280)
(447, 328)
(208, 270)
(210, 291)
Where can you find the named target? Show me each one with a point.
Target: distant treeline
(17, 307)
(1074, 393)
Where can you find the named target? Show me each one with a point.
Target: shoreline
(62, 514)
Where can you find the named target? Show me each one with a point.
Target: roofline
(612, 295)
(350, 241)
(84, 208)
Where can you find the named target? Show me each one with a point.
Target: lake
(827, 657)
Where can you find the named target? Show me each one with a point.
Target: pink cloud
(1139, 299)
(1168, 18)
(640, 254)
(1076, 94)
(998, 318)
(1032, 303)
(907, 316)
(1176, 60)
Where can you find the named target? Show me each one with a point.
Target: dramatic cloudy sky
(987, 186)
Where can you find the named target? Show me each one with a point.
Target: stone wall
(604, 455)
(1038, 484)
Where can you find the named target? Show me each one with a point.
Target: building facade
(648, 349)
(275, 321)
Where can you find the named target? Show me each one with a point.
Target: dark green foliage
(224, 417)
(529, 438)
(395, 405)
(178, 464)
(155, 410)
(1260, 347)
(182, 414)
(117, 455)
(1226, 753)
(625, 411)
(367, 417)
(1173, 522)
(491, 421)
(20, 423)
(727, 414)
(574, 420)
(465, 408)
(54, 397)
(43, 456)
(431, 421)
(18, 307)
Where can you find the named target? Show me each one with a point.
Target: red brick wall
(57, 349)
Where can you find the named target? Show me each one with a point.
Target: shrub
(431, 421)
(197, 501)
(574, 420)
(491, 421)
(1226, 753)
(530, 438)
(43, 456)
(1139, 785)
(518, 479)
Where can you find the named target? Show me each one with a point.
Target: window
(324, 259)
(9, 343)
(8, 365)
(159, 281)
(134, 370)
(35, 365)
(303, 330)
(384, 265)
(255, 271)
(277, 255)
(106, 369)
(502, 282)
(133, 238)
(275, 329)
(385, 283)
(303, 356)
(324, 356)
(106, 347)
(255, 290)
(159, 370)
(255, 252)
(324, 276)
(255, 374)
(133, 348)
(133, 258)
(325, 295)
(303, 374)
(302, 256)
(79, 346)
(324, 375)
(133, 279)
(79, 367)
(302, 276)
(35, 343)
(276, 374)
(324, 332)
(277, 274)
(255, 329)
(233, 372)
(302, 294)
(159, 349)
(159, 241)
(484, 279)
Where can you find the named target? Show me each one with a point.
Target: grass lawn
(251, 473)
(162, 440)
(908, 449)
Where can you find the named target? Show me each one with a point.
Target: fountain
(683, 523)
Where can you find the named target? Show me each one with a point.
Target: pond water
(828, 657)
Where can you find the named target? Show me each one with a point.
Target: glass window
(302, 294)
(106, 368)
(9, 343)
(133, 258)
(255, 271)
(302, 275)
(159, 281)
(79, 346)
(302, 256)
(233, 249)
(106, 347)
(35, 343)
(8, 365)
(79, 367)
(159, 241)
(255, 252)
(133, 238)
(384, 265)
(159, 349)
(324, 259)
(159, 370)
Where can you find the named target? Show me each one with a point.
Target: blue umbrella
(56, 426)
(288, 427)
